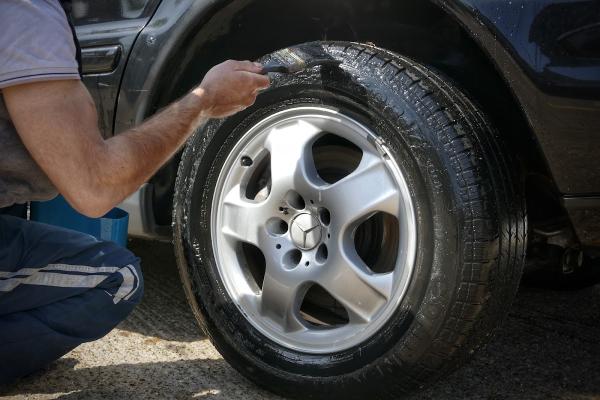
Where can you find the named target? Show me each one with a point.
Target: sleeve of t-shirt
(36, 43)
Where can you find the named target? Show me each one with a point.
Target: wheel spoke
(361, 293)
(243, 220)
(370, 188)
(280, 298)
(292, 164)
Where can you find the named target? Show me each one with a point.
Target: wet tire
(469, 215)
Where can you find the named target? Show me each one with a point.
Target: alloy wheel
(313, 230)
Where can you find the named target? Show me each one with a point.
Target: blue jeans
(58, 289)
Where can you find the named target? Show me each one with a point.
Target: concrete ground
(549, 348)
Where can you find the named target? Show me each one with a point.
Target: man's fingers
(262, 81)
(249, 101)
(249, 66)
(256, 80)
(233, 86)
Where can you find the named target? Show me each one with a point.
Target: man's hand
(230, 87)
(57, 122)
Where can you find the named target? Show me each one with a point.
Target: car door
(106, 31)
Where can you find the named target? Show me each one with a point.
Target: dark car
(361, 230)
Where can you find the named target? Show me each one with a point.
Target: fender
(555, 85)
(172, 23)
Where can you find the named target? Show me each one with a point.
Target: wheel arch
(172, 54)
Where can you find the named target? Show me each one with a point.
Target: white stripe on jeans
(60, 267)
(57, 275)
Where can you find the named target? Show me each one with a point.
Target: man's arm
(57, 122)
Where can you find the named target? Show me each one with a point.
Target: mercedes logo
(306, 231)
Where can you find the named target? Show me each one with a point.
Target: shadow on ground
(203, 379)
(548, 348)
(164, 312)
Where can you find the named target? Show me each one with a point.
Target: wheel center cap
(306, 231)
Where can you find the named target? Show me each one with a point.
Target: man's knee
(138, 285)
(127, 283)
(111, 301)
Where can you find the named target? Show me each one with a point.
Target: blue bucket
(112, 226)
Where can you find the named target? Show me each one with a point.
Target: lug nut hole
(277, 226)
(322, 253)
(324, 216)
(277, 246)
(292, 258)
(294, 199)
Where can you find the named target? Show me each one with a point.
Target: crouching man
(60, 288)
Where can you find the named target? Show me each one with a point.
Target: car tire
(462, 229)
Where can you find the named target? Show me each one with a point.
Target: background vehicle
(361, 230)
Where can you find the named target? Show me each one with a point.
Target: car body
(451, 140)
(533, 66)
